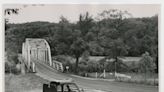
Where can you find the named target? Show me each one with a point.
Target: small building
(130, 60)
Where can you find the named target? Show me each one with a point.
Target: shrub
(11, 68)
(82, 74)
(10, 63)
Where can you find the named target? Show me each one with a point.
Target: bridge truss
(38, 50)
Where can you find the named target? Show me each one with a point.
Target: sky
(52, 12)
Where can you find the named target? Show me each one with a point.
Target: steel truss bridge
(38, 50)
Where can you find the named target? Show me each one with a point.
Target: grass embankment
(23, 83)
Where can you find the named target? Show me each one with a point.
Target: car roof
(52, 82)
(65, 81)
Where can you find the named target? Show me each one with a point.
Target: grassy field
(23, 83)
(151, 79)
(93, 75)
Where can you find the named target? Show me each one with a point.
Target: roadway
(48, 73)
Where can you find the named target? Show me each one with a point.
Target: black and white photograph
(81, 47)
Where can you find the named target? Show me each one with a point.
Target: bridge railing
(57, 65)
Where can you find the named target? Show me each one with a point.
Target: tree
(115, 48)
(77, 49)
(111, 35)
(63, 36)
(113, 14)
(85, 23)
(146, 65)
(114, 18)
(79, 42)
(95, 49)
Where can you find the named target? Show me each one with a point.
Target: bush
(84, 74)
(10, 63)
(13, 58)
(14, 70)
(11, 68)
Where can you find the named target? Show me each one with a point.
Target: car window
(59, 88)
(70, 88)
(65, 88)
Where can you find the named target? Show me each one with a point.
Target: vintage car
(66, 85)
(61, 86)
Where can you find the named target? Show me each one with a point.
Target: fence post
(96, 74)
(104, 73)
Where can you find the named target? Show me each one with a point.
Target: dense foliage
(110, 35)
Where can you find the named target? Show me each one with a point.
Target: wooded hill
(110, 36)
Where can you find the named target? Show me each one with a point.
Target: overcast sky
(52, 13)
